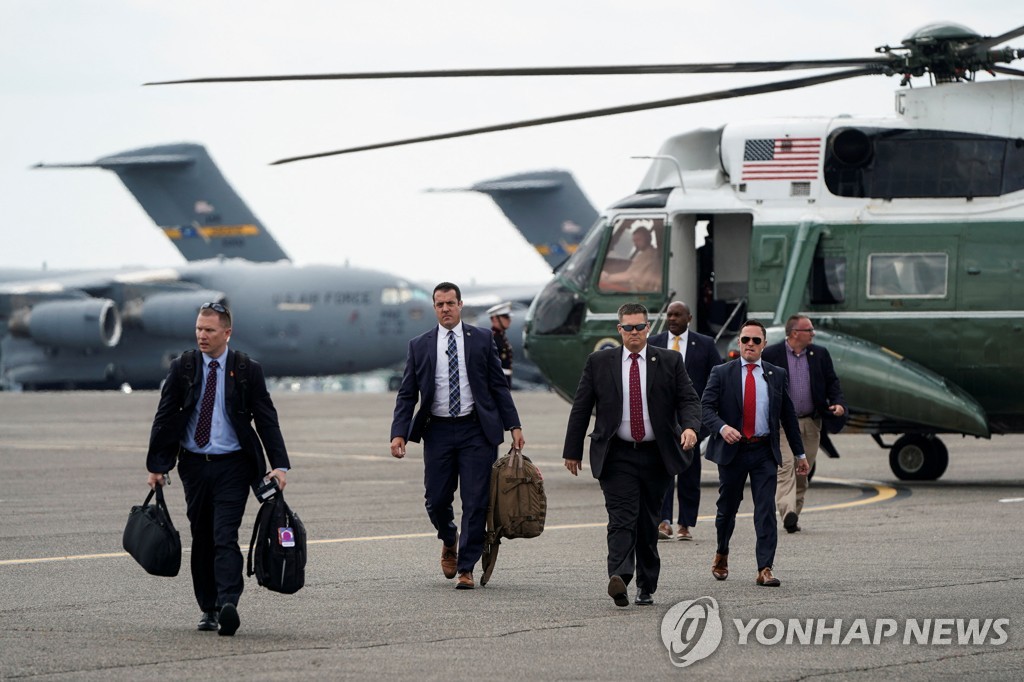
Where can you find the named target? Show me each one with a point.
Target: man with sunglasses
(209, 403)
(745, 402)
(648, 416)
(818, 400)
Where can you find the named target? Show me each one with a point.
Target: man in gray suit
(744, 404)
(648, 416)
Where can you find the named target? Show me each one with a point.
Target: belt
(637, 445)
(752, 440)
(454, 420)
(809, 415)
(212, 457)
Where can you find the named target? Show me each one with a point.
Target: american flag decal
(789, 158)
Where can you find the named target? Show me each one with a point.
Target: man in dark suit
(454, 372)
(818, 400)
(700, 356)
(648, 416)
(744, 403)
(208, 404)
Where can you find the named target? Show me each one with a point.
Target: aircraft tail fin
(547, 207)
(185, 194)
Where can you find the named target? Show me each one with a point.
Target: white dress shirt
(441, 390)
(624, 431)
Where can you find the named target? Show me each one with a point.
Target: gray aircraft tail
(185, 194)
(547, 207)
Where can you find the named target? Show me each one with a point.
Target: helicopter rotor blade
(719, 67)
(1007, 70)
(985, 44)
(611, 111)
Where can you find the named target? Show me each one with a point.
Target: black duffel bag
(151, 538)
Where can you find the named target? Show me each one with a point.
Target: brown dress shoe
(664, 531)
(450, 559)
(465, 581)
(683, 534)
(766, 579)
(720, 566)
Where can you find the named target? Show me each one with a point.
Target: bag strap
(249, 570)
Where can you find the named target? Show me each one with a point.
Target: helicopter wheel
(916, 457)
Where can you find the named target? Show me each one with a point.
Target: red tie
(749, 403)
(636, 405)
(206, 407)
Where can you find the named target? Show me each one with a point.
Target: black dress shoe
(644, 598)
(789, 523)
(229, 621)
(617, 591)
(208, 623)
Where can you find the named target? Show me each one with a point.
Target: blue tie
(454, 404)
(206, 407)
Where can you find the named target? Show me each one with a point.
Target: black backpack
(277, 550)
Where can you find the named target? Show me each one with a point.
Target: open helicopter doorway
(710, 268)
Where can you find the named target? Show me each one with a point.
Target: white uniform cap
(500, 309)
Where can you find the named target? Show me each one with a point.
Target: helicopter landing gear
(918, 457)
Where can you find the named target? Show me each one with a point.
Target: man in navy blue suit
(453, 371)
(744, 404)
(699, 356)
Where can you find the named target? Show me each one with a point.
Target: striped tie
(454, 404)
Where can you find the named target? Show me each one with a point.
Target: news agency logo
(691, 631)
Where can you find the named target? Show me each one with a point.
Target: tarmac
(885, 581)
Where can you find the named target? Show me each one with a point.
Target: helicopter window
(557, 311)
(634, 258)
(907, 275)
(828, 280)
(580, 265)
(895, 164)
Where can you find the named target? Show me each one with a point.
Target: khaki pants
(789, 495)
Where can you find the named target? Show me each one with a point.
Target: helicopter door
(711, 265)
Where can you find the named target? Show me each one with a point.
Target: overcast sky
(71, 74)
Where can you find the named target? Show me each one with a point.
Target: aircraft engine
(172, 314)
(77, 323)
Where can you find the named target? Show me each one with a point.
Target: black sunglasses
(756, 340)
(211, 305)
(630, 327)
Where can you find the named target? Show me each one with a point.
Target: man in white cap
(501, 319)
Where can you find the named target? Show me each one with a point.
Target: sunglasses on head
(630, 327)
(211, 305)
(756, 340)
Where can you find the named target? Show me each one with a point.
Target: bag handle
(157, 490)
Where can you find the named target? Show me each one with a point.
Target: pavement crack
(493, 635)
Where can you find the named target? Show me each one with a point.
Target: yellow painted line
(883, 492)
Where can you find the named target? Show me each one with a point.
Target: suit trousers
(757, 462)
(687, 485)
(456, 454)
(790, 494)
(634, 482)
(215, 495)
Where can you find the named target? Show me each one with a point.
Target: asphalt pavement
(886, 580)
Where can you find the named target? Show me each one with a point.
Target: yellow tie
(675, 343)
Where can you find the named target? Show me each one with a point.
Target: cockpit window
(634, 259)
(580, 265)
(907, 275)
(400, 294)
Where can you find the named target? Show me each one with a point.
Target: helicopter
(899, 235)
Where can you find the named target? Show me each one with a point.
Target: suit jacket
(180, 395)
(493, 401)
(701, 356)
(825, 389)
(672, 405)
(722, 403)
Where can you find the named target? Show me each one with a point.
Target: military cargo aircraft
(105, 329)
(899, 235)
